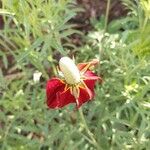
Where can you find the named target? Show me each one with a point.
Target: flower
(36, 76)
(75, 85)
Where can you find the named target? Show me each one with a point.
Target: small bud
(69, 70)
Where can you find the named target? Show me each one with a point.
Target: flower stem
(87, 129)
(105, 30)
(107, 14)
(145, 22)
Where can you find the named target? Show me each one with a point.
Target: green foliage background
(34, 33)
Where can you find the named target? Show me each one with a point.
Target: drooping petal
(52, 87)
(85, 95)
(90, 79)
(90, 84)
(85, 66)
(63, 98)
(87, 87)
(57, 97)
(91, 75)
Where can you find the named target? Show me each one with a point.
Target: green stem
(107, 15)
(145, 22)
(105, 29)
(100, 54)
(87, 130)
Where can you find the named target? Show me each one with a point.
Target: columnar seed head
(69, 70)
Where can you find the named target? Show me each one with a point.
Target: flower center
(69, 70)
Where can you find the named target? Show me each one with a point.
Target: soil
(96, 8)
(93, 9)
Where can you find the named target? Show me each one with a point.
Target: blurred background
(33, 37)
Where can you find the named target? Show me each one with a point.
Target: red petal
(90, 84)
(56, 96)
(64, 98)
(84, 96)
(90, 79)
(85, 66)
(91, 75)
(53, 86)
(87, 93)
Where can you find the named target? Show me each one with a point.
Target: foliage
(35, 34)
(139, 15)
(35, 29)
(121, 109)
